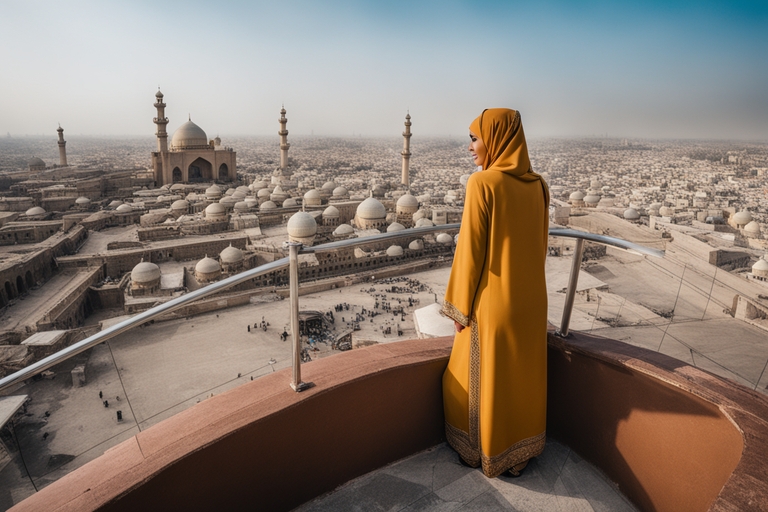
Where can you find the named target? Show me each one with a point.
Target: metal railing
(291, 262)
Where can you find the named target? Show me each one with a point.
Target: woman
(495, 386)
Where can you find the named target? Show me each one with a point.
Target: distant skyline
(677, 69)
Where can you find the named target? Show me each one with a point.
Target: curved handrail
(179, 302)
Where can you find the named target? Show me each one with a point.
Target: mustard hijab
(501, 130)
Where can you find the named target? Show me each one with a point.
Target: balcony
(670, 435)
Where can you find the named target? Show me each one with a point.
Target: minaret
(62, 148)
(283, 140)
(406, 180)
(161, 121)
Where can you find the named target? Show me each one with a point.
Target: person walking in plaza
(495, 385)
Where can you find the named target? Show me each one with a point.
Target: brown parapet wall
(669, 434)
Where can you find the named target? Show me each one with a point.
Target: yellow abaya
(495, 386)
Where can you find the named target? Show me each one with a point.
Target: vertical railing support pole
(570, 293)
(293, 271)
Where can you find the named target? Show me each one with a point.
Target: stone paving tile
(487, 502)
(582, 480)
(432, 503)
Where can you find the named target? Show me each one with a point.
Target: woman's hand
(458, 326)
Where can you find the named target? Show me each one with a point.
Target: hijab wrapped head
(501, 131)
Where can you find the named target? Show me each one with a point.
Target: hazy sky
(649, 68)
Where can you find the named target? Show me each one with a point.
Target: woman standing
(495, 386)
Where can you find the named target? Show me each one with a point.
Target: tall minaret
(62, 148)
(161, 121)
(406, 180)
(283, 133)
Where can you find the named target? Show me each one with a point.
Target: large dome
(302, 225)
(371, 209)
(207, 266)
(214, 209)
(742, 218)
(189, 135)
(408, 201)
(145, 272)
(331, 212)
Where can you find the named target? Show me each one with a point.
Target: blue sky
(649, 69)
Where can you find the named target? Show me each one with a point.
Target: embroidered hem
(514, 455)
(453, 312)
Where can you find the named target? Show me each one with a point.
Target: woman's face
(477, 149)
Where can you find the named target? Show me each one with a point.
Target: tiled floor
(557, 480)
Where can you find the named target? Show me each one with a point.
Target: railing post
(570, 293)
(293, 272)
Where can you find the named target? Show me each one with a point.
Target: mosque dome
(36, 162)
(145, 272)
(251, 202)
(215, 209)
(242, 188)
(192, 196)
(742, 218)
(82, 201)
(177, 187)
(189, 135)
(231, 255)
(752, 229)
(416, 245)
(124, 208)
(592, 198)
(239, 195)
(371, 209)
(263, 193)
(424, 222)
(313, 196)
(241, 206)
(331, 212)
(408, 201)
(35, 210)
(631, 214)
(278, 195)
(395, 226)
(343, 229)
(230, 191)
(213, 192)
(302, 225)
(340, 192)
(207, 266)
(606, 202)
(576, 196)
(330, 186)
(444, 238)
(114, 204)
(228, 202)
(760, 268)
(180, 205)
(394, 251)
(268, 205)
(158, 94)
(291, 201)
(260, 185)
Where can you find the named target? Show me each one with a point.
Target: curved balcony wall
(673, 437)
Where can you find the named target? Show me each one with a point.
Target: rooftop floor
(557, 480)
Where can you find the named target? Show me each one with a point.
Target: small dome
(145, 272)
(242, 188)
(576, 196)
(228, 201)
(606, 202)
(35, 210)
(263, 193)
(302, 225)
(180, 205)
(394, 251)
(229, 191)
(268, 205)
(231, 255)
(176, 187)
(158, 94)
(631, 214)
(238, 195)
(424, 222)
(371, 209)
(213, 192)
(241, 206)
(408, 201)
(416, 245)
(312, 194)
(124, 208)
(36, 162)
(742, 218)
(331, 212)
(114, 204)
(329, 186)
(444, 238)
(655, 206)
(260, 185)
(291, 201)
(761, 265)
(343, 229)
(395, 226)
(753, 228)
(82, 201)
(592, 198)
(207, 266)
(340, 192)
(214, 209)
(188, 135)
